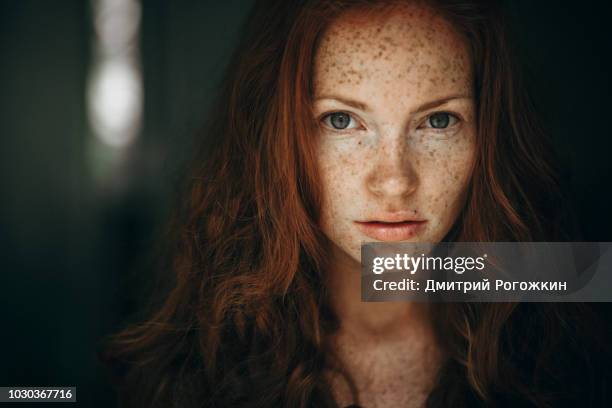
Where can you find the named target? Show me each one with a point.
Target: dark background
(75, 253)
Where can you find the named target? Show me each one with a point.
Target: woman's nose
(394, 174)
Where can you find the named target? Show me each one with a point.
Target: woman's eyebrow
(423, 107)
(438, 102)
(346, 101)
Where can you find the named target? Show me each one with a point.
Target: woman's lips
(391, 231)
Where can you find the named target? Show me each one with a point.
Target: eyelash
(453, 116)
(328, 115)
(456, 117)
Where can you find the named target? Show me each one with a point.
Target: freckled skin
(385, 372)
(390, 159)
(391, 163)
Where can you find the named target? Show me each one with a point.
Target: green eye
(339, 121)
(441, 120)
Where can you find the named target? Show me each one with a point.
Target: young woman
(343, 122)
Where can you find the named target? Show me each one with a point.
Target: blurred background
(100, 103)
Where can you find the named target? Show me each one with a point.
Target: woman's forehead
(411, 47)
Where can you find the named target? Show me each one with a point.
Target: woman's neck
(378, 319)
(388, 349)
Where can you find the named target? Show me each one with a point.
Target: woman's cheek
(342, 163)
(445, 168)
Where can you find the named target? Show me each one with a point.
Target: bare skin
(388, 349)
(389, 77)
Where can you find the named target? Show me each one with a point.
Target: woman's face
(393, 96)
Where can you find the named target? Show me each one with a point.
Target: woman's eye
(441, 120)
(339, 121)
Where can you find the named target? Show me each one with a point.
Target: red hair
(246, 319)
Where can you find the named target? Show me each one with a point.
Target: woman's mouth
(391, 231)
